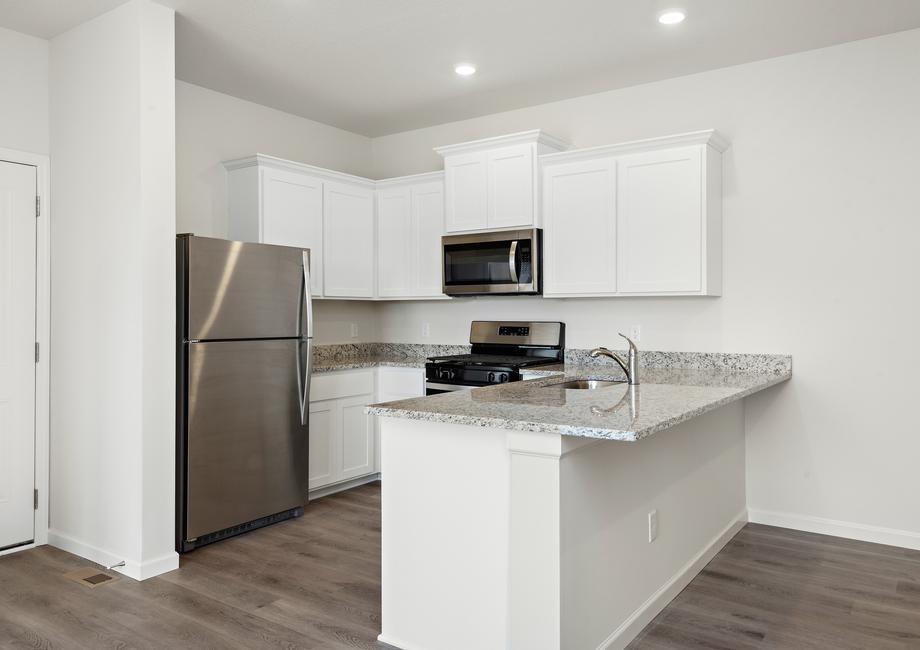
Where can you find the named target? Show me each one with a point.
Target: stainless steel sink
(584, 384)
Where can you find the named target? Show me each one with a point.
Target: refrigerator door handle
(304, 374)
(307, 297)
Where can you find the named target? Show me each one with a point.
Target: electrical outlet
(652, 526)
(635, 333)
(354, 330)
(426, 330)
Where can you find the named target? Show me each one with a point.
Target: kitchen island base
(497, 538)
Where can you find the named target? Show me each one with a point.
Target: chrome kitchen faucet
(630, 366)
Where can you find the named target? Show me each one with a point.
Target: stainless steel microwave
(506, 262)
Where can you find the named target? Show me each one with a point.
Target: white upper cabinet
(493, 183)
(271, 205)
(292, 209)
(465, 190)
(428, 226)
(511, 181)
(275, 201)
(394, 242)
(349, 241)
(640, 218)
(661, 247)
(580, 231)
(410, 222)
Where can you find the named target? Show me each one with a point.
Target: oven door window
(488, 263)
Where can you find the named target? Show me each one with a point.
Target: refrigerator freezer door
(238, 290)
(246, 449)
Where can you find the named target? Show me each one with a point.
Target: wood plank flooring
(778, 588)
(311, 582)
(314, 582)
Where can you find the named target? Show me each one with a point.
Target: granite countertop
(349, 356)
(367, 361)
(665, 397)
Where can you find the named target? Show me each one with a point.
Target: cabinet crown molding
(262, 160)
(425, 177)
(709, 137)
(535, 136)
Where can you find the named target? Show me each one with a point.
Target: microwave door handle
(512, 262)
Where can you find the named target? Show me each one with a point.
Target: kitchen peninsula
(529, 515)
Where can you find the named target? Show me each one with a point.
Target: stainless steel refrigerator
(244, 324)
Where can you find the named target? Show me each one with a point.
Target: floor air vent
(91, 577)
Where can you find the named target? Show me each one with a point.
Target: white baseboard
(836, 528)
(326, 490)
(131, 569)
(636, 622)
(396, 644)
(158, 566)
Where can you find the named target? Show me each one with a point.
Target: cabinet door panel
(465, 190)
(348, 225)
(322, 444)
(292, 215)
(510, 186)
(395, 242)
(660, 221)
(428, 222)
(580, 232)
(357, 437)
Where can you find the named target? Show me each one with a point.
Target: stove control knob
(492, 377)
(503, 377)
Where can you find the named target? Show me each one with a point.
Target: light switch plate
(652, 526)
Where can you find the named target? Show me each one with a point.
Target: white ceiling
(382, 66)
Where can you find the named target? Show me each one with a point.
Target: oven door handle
(512, 261)
(449, 387)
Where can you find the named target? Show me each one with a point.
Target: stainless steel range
(501, 350)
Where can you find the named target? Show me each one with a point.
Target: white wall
(212, 127)
(113, 299)
(821, 261)
(24, 91)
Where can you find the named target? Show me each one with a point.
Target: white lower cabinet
(343, 438)
(322, 426)
(342, 435)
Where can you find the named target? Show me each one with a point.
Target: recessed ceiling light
(671, 17)
(465, 69)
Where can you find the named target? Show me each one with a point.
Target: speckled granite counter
(666, 397)
(350, 356)
(367, 361)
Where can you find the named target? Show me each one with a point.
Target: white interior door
(17, 353)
